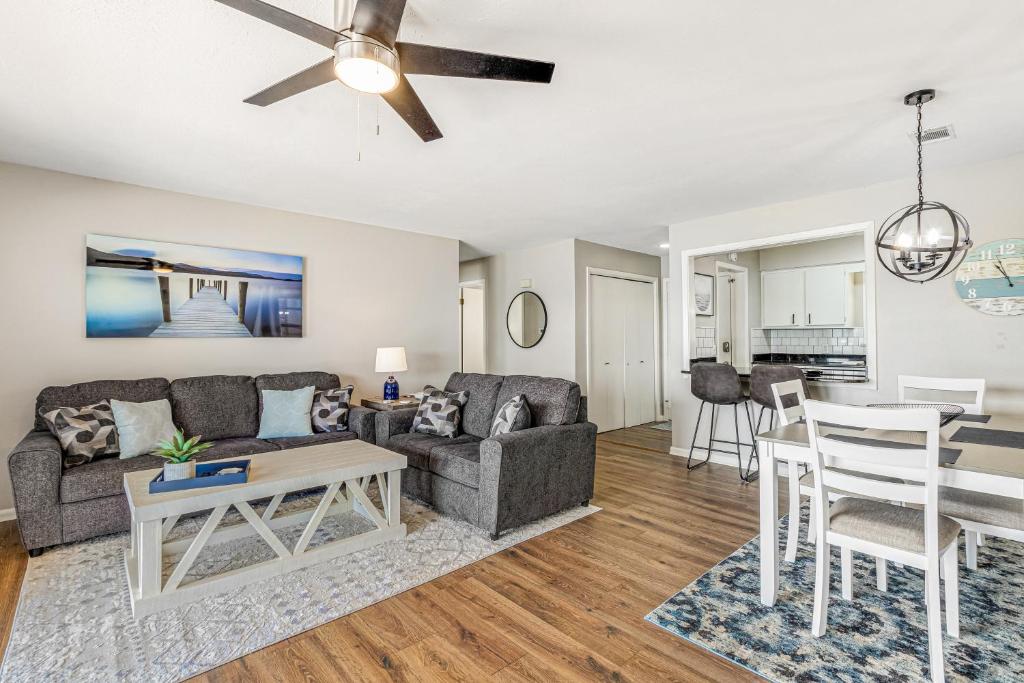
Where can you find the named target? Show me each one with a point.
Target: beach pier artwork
(141, 288)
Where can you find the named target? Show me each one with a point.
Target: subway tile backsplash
(838, 340)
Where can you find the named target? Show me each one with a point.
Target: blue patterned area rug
(876, 636)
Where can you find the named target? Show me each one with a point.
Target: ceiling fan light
(366, 66)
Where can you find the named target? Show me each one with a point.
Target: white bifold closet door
(622, 350)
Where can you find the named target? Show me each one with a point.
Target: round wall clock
(991, 278)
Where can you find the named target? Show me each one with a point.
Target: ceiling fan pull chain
(359, 140)
(378, 116)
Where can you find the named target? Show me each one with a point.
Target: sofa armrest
(532, 473)
(36, 465)
(391, 422)
(363, 422)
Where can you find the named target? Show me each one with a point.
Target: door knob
(607, 363)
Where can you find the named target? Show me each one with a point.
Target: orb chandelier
(926, 240)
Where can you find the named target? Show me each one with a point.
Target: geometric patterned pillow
(512, 416)
(330, 409)
(440, 412)
(84, 433)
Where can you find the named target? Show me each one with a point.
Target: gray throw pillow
(512, 416)
(330, 409)
(84, 433)
(440, 413)
(142, 426)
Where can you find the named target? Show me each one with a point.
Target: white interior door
(473, 329)
(640, 324)
(724, 317)
(606, 406)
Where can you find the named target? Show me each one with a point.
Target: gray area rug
(74, 617)
(664, 426)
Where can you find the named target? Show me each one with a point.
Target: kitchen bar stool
(719, 385)
(762, 377)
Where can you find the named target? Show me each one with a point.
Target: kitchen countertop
(816, 361)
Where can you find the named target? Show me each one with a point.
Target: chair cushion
(459, 462)
(216, 406)
(983, 508)
(312, 440)
(85, 393)
(483, 395)
(104, 477)
(552, 401)
(887, 524)
(417, 447)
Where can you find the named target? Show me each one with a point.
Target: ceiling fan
(367, 58)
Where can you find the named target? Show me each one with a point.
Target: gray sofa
(56, 505)
(503, 482)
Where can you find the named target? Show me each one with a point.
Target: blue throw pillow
(286, 413)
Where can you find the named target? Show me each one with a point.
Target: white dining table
(996, 470)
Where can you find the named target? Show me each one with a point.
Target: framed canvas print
(141, 288)
(704, 294)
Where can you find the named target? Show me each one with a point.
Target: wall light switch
(525, 284)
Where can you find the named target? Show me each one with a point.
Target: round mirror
(527, 319)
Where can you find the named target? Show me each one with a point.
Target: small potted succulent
(180, 454)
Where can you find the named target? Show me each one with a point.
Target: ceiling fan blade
(378, 19)
(444, 61)
(286, 20)
(318, 74)
(406, 102)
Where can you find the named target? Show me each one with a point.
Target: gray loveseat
(503, 482)
(56, 505)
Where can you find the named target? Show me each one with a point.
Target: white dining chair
(803, 485)
(915, 535)
(951, 384)
(982, 514)
(978, 509)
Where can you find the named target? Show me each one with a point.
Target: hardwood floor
(568, 605)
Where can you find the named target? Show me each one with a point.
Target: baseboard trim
(7, 515)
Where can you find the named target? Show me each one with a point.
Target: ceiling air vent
(934, 134)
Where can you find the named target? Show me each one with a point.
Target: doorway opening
(731, 303)
(472, 327)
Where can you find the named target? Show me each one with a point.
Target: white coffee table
(345, 468)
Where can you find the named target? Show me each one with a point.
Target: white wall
(922, 329)
(350, 306)
(550, 268)
(817, 253)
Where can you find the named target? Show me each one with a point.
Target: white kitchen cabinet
(820, 296)
(782, 298)
(825, 296)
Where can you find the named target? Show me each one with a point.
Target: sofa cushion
(331, 408)
(286, 381)
(552, 401)
(312, 440)
(216, 406)
(104, 477)
(460, 463)
(136, 390)
(286, 413)
(512, 416)
(483, 394)
(417, 447)
(440, 412)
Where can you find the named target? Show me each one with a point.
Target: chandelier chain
(920, 159)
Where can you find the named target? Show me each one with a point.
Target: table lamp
(391, 359)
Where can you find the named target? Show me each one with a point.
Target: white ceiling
(660, 110)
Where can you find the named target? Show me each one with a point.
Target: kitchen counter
(822, 369)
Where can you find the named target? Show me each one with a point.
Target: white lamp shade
(391, 359)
